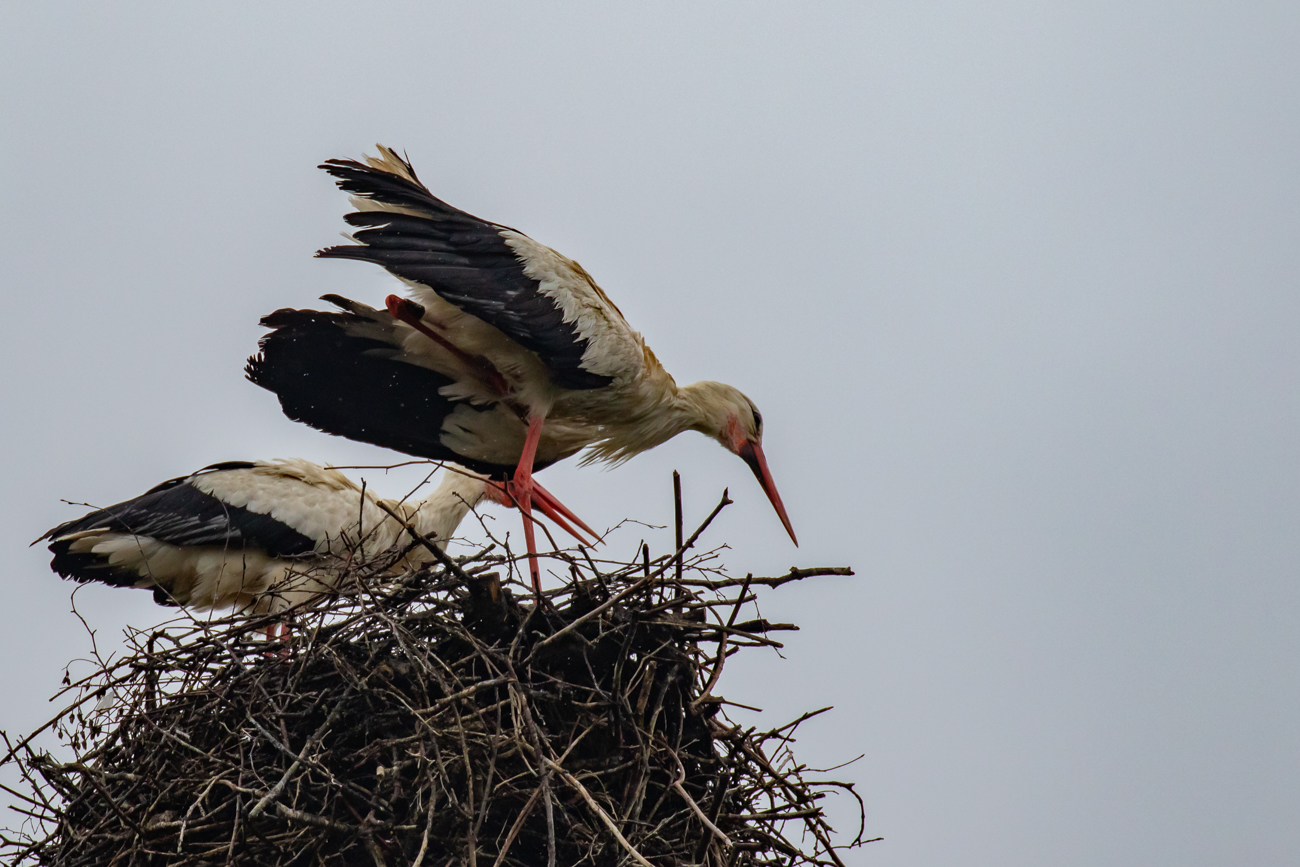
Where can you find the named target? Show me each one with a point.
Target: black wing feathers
(348, 384)
(464, 260)
(359, 179)
(84, 566)
(180, 514)
(227, 465)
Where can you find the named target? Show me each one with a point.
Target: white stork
(508, 359)
(258, 536)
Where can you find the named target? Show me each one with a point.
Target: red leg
(278, 631)
(496, 493)
(521, 488)
(412, 314)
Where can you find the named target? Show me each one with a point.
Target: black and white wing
(346, 373)
(543, 301)
(158, 539)
(177, 512)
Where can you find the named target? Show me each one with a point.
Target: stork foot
(521, 490)
(548, 505)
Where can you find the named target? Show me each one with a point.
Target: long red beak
(752, 454)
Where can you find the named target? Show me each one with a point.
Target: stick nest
(435, 719)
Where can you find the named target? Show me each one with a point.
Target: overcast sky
(1014, 284)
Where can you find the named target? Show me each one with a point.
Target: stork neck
(677, 409)
(439, 514)
(696, 408)
(431, 519)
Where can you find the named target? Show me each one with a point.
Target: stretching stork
(508, 359)
(259, 536)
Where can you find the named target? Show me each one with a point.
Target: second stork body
(257, 536)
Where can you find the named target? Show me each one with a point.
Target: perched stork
(508, 359)
(257, 536)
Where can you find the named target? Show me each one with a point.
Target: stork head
(732, 419)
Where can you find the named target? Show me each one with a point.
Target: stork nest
(436, 719)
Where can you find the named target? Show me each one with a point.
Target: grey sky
(1014, 285)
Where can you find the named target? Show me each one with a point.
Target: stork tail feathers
(338, 373)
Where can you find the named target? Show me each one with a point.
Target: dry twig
(436, 719)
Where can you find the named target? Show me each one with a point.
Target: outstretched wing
(540, 299)
(344, 373)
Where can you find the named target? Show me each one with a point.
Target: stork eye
(758, 423)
